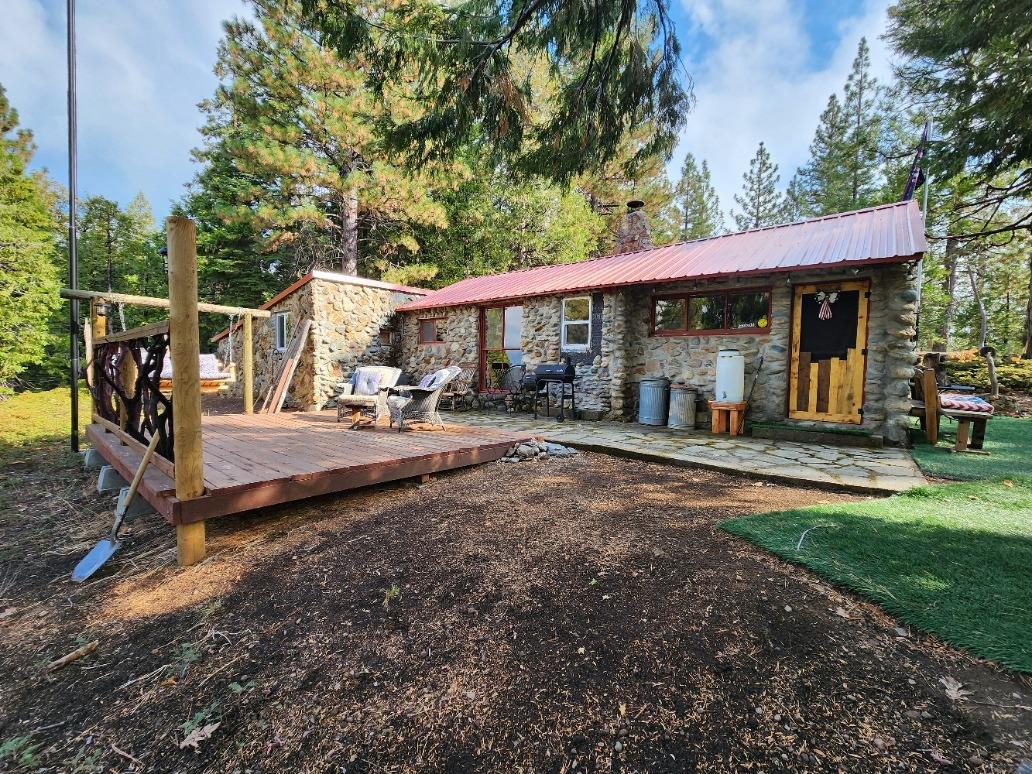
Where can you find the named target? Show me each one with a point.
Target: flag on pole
(917, 176)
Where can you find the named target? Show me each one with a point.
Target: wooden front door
(829, 351)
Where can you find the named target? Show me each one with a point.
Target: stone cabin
(823, 310)
(353, 323)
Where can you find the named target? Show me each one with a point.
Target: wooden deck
(256, 460)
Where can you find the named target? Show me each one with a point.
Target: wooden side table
(726, 416)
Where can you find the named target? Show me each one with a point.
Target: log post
(185, 346)
(98, 329)
(127, 372)
(247, 363)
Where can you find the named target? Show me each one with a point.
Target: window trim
(726, 293)
(563, 323)
(419, 330)
(482, 344)
(279, 317)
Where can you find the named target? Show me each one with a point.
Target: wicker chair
(460, 386)
(419, 404)
(362, 406)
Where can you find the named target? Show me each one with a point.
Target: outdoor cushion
(965, 403)
(367, 382)
(426, 381)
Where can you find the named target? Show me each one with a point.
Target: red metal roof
(891, 233)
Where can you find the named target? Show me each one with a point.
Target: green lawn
(37, 421)
(1008, 441)
(954, 560)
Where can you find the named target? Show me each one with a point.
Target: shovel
(106, 548)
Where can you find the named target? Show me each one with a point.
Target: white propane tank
(730, 376)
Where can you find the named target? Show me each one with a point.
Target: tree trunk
(950, 286)
(1027, 354)
(349, 223)
(983, 316)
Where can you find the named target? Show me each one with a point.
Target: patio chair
(419, 404)
(460, 387)
(366, 393)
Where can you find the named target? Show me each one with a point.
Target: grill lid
(555, 372)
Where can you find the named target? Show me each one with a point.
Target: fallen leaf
(938, 757)
(954, 688)
(198, 735)
(842, 613)
(1007, 482)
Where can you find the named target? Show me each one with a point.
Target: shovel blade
(93, 561)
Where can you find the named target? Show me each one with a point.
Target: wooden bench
(927, 406)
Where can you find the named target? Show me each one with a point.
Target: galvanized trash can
(652, 401)
(682, 407)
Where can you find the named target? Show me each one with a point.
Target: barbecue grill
(543, 377)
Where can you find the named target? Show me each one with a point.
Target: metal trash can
(653, 400)
(682, 406)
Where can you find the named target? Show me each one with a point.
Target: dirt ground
(548, 616)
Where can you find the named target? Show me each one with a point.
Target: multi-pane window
(501, 345)
(576, 324)
(731, 311)
(279, 323)
(432, 330)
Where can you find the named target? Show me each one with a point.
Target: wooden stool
(726, 416)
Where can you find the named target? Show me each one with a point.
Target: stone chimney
(633, 233)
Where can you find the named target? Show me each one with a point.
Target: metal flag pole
(73, 249)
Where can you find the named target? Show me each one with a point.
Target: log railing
(124, 373)
(125, 385)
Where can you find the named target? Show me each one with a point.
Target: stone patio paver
(860, 469)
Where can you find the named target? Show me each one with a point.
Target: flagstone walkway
(859, 469)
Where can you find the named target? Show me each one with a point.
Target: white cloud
(759, 82)
(142, 69)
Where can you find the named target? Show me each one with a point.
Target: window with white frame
(279, 327)
(576, 326)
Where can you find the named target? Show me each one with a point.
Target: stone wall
(623, 351)
(348, 321)
(692, 359)
(266, 359)
(346, 324)
(461, 345)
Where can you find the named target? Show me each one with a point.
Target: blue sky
(762, 70)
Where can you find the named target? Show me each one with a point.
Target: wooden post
(127, 372)
(247, 363)
(98, 328)
(186, 379)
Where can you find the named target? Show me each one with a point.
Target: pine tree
(865, 122)
(300, 126)
(28, 276)
(616, 62)
(844, 170)
(697, 199)
(761, 204)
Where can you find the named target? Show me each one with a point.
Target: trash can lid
(655, 380)
(684, 387)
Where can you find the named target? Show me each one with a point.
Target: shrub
(1012, 372)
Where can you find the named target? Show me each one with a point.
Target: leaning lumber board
(141, 332)
(290, 363)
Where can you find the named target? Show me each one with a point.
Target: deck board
(256, 460)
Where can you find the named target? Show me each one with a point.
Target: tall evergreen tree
(300, 126)
(28, 276)
(844, 170)
(697, 199)
(760, 202)
(967, 62)
(864, 120)
(617, 64)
